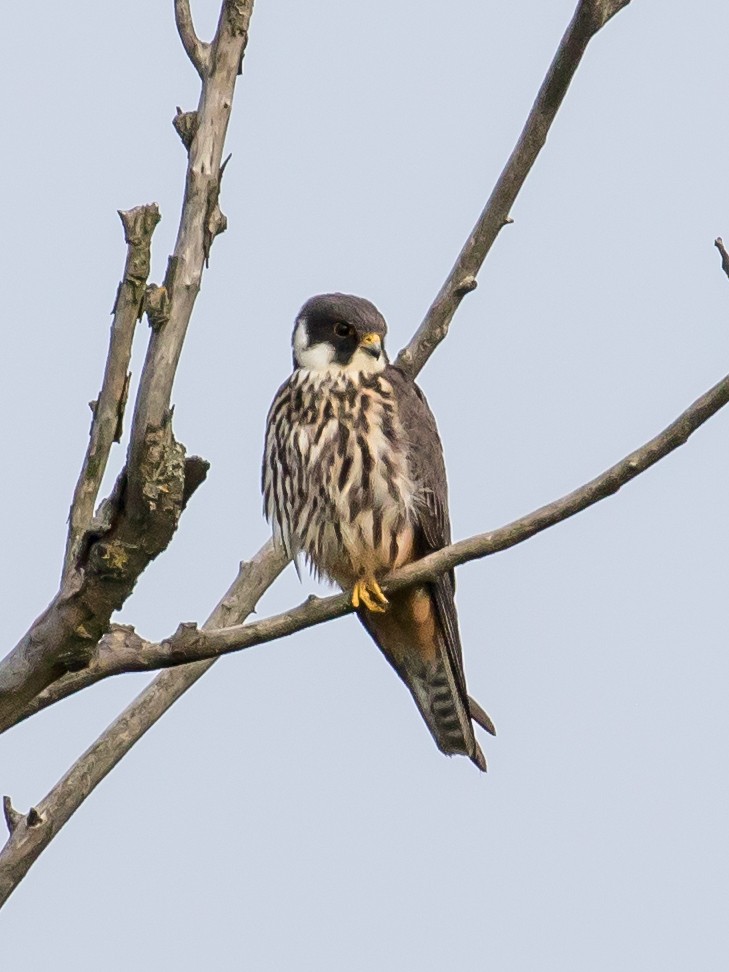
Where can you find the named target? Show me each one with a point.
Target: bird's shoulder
(425, 457)
(416, 417)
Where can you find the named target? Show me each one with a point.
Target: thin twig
(198, 51)
(719, 244)
(12, 816)
(589, 17)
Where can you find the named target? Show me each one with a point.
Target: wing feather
(427, 466)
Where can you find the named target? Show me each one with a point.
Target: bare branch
(185, 267)
(139, 224)
(181, 287)
(198, 51)
(589, 18)
(185, 124)
(182, 283)
(26, 842)
(105, 556)
(149, 497)
(123, 650)
(132, 532)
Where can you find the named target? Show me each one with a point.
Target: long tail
(415, 642)
(440, 704)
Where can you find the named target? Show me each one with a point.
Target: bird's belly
(363, 552)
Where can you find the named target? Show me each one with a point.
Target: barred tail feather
(413, 640)
(445, 715)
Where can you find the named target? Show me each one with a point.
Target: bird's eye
(343, 330)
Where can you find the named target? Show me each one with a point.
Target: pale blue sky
(292, 812)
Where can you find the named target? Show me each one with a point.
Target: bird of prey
(354, 479)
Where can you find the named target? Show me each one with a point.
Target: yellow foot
(369, 593)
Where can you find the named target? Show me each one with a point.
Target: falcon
(354, 479)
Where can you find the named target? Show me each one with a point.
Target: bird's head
(339, 332)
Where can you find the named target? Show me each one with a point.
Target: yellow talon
(369, 593)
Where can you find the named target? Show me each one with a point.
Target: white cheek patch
(317, 358)
(301, 338)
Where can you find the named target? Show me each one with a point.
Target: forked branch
(183, 280)
(103, 564)
(198, 51)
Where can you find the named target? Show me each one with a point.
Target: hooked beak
(372, 344)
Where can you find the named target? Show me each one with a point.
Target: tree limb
(123, 650)
(185, 268)
(32, 834)
(131, 529)
(198, 51)
(108, 409)
(26, 843)
(150, 494)
(589, 18)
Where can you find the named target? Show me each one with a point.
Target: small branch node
(215, 224)
(12, 816)
(508, 220)
(182, 641)
(139, 223)
(465, 287)
(156, 306)
(33, 819)
(185, 124)
(196, 471)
